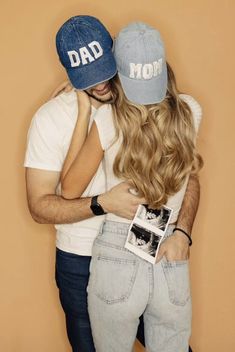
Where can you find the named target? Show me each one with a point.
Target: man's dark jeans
(72, 275)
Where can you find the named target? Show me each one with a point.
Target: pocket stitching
(125, 296)
(110, 245)
(166, 266)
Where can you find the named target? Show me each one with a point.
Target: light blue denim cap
(141, 63)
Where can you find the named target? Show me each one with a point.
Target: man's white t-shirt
(48, 142)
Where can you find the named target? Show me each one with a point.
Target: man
(85, 50)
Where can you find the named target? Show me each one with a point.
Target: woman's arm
(80, 131)
(83, 167)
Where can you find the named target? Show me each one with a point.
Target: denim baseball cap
(140, 57)
(85, 48)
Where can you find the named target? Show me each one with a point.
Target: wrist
(182, 235)
(104, 202)
(96, 207)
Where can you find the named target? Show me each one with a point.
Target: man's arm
(177, 247)
(48, 208)
(190, 204)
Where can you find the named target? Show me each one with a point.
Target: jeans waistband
(121, 228)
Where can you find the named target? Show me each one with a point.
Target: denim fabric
(72, 274)
(140, 333)
(123, 286)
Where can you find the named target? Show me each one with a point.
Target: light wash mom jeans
(123, 286)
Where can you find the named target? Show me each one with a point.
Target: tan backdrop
(199, 37)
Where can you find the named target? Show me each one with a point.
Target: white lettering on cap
(85, 56)
(135, 69)
(145, 71)
(74, 58)
(96, 49)
(157, 67)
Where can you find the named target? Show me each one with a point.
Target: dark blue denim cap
(85, 48)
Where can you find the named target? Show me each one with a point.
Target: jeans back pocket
(112, 278)
(177, 278)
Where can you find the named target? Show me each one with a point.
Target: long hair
(158, 143)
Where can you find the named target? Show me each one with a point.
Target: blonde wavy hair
(158, 143)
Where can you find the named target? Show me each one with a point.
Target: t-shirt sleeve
(44, 143)
(195, 108)
(104, 122)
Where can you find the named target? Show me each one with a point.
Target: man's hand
(120, 201)
(175, 247)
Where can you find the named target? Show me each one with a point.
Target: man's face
(101, 92)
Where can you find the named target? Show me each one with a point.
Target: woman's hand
(84, 103)
(64, 87)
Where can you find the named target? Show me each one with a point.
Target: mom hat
(141, 62)
(85, 48)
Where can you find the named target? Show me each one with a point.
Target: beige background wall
(199, 37)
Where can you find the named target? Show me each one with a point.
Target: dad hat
(140, 57)
(85, 47)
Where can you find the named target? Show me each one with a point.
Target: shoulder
(47, 132)
(193, 104)
(104, 122)
(195, 107)
(104, 113)
(104, 119)
(58, 111)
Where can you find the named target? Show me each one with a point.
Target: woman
(147, 137)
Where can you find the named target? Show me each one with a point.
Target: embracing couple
(121, 137)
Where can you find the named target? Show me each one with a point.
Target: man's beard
(108, 101)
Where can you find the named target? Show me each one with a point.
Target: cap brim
(145, 92)
(87, 76)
